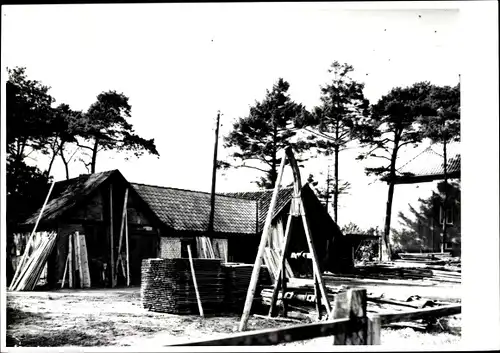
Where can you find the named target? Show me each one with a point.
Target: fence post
(374, 327)
(352, 305)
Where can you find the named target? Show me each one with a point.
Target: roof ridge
(181, 189)
(88, 175)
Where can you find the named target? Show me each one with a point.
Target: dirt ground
(115, 317)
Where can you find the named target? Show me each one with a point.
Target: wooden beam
(263, 241)
(277, 335)
(288, 232)
(126, 249)
(70, 257)
(386, 318)
(193, 274)
(111, 237)
(120, 241)
(374, 328)
(315, 262)
(65, 269)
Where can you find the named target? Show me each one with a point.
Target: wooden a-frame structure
(297, 210)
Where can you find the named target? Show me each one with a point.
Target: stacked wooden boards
(167, 285)
(237, 280)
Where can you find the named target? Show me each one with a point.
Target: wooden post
(283, 286)
(352, 304)
(194, 281)
(111, 240)
(263, 241)
(374, 327)
(312, 250)
(78, 256)
(70, 256)
(119, 259)
(288, 232)
(126, 249)
(317, 295)
(65, 269)
(28, 244)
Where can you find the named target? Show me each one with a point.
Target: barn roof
(428, 165)
(263, 198)
(187, 210)
(68, 193)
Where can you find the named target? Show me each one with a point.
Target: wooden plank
(386, 318)
(263, 241)
(120, 241)
(275, 318)
(374, 329)
(78, 253)
(277, 335)
(111, 236)
(28, 245)
(126, 249)
(194, 281)
(84, 262)
(70, 257)
(65, 270)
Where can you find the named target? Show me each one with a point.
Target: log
(284, 319)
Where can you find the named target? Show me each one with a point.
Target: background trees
(393, 124)
(105, 127)
(269, 126)
(334, 122)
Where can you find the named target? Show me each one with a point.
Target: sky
(181, 63)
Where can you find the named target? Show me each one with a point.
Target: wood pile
(167, 285)
(237, 280)
(400, 270)
(34, 262)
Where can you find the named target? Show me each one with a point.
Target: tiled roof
(186, 210)
(263, 197)
(67, 193)
(429, 163)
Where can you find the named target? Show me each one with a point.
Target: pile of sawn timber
(408, 271)
(237, 280)
(167, 285)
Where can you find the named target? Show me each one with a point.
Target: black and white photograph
(283, 174)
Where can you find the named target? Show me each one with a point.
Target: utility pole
(214, 174)
(327, 187)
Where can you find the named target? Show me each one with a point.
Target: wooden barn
(159, 222)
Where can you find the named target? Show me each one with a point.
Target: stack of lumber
(167, 285)
(32, 264)
(76, 268)
(405, 271)
(237, 281)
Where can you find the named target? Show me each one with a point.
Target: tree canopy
(105, 127)
(270, 125)
(334, 122)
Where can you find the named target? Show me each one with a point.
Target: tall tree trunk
(94, 156)
(336, 185)
(66, 163)
(388, 211)
(327, 188)
(445, 201)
